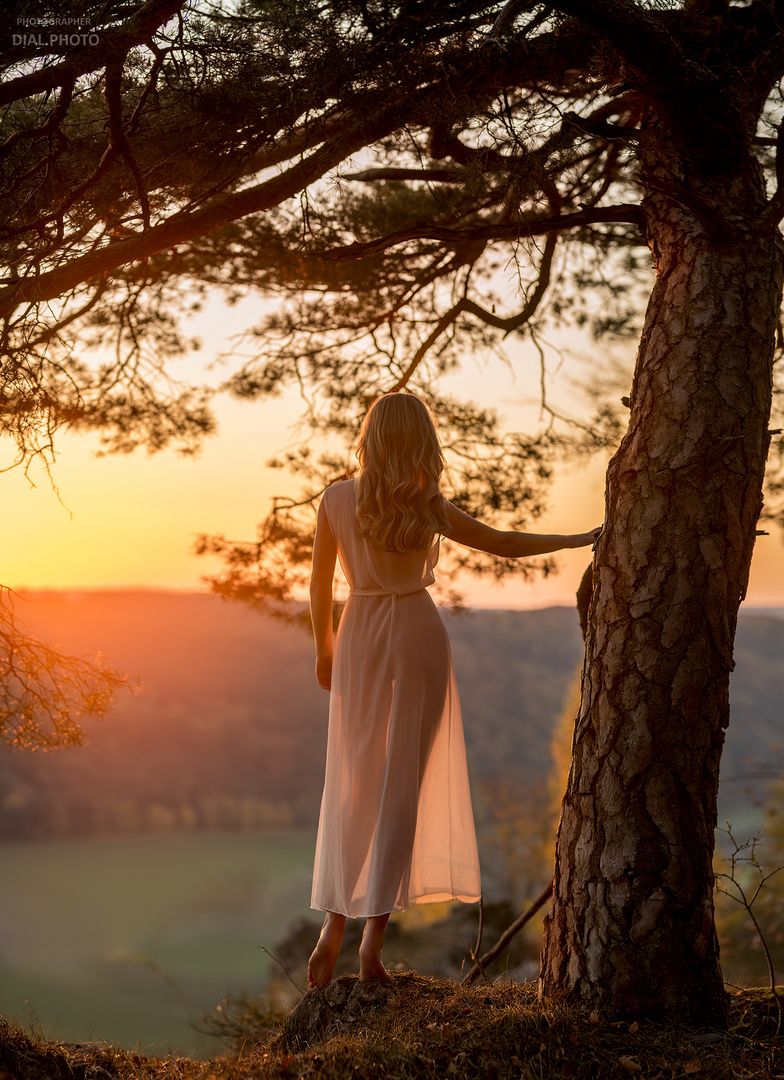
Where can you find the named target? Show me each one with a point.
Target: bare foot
(370, 966)
(321, 965)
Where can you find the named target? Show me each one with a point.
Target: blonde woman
(396, 825)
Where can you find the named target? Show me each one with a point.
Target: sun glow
(130, 521)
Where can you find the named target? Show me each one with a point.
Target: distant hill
(231, 730)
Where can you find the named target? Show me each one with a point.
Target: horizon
(175, 590)
(92, 521)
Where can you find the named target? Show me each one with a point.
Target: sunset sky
(129, 521)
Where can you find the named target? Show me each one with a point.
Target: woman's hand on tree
(586, 539)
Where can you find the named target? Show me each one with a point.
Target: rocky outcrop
(345, 1005)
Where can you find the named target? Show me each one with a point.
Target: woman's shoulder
(338, 497)
(341, 489)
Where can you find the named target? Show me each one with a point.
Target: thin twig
(739, 896)
(474, 954)
(508, 934)
(286, 971)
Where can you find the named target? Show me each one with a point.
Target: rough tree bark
(631, 928)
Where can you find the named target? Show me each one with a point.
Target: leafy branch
(46, 695)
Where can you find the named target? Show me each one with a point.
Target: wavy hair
(399, 502)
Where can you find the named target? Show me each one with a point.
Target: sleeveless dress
(396, 826)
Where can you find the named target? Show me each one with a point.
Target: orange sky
(130, 520)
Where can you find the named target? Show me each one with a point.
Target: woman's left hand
(324, 671)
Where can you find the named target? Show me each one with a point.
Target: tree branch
(602, 130)
(441, 176)
(53, 121)
(626, 213)
(44, 694)
(184, 226)
(118, 139)
(508, 934)
(505, 21)
(114, 43)
(490, 318)
(344, 138)
(774, 211)
(688, 96)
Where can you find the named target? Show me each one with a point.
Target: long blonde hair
(399, 502)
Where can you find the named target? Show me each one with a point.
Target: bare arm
(510, 545)
(325, 553)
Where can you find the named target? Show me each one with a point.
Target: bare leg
(324, 957)
(370, 966)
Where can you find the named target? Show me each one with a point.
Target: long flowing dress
(396, 826)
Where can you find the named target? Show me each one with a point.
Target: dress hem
(442, 899)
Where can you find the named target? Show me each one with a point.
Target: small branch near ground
(286, 971)
(474, 954)
(734, 889)
(505, 938)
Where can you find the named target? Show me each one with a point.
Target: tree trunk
(631, 928)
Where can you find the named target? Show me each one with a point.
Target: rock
(342, 1006)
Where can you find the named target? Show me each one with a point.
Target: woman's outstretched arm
(510, 545)
(325, 553)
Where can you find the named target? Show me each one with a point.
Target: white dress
(396, 825)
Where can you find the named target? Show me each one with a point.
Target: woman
(396, 825)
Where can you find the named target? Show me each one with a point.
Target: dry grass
(438, 1029)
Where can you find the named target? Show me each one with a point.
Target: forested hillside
(230, 729)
